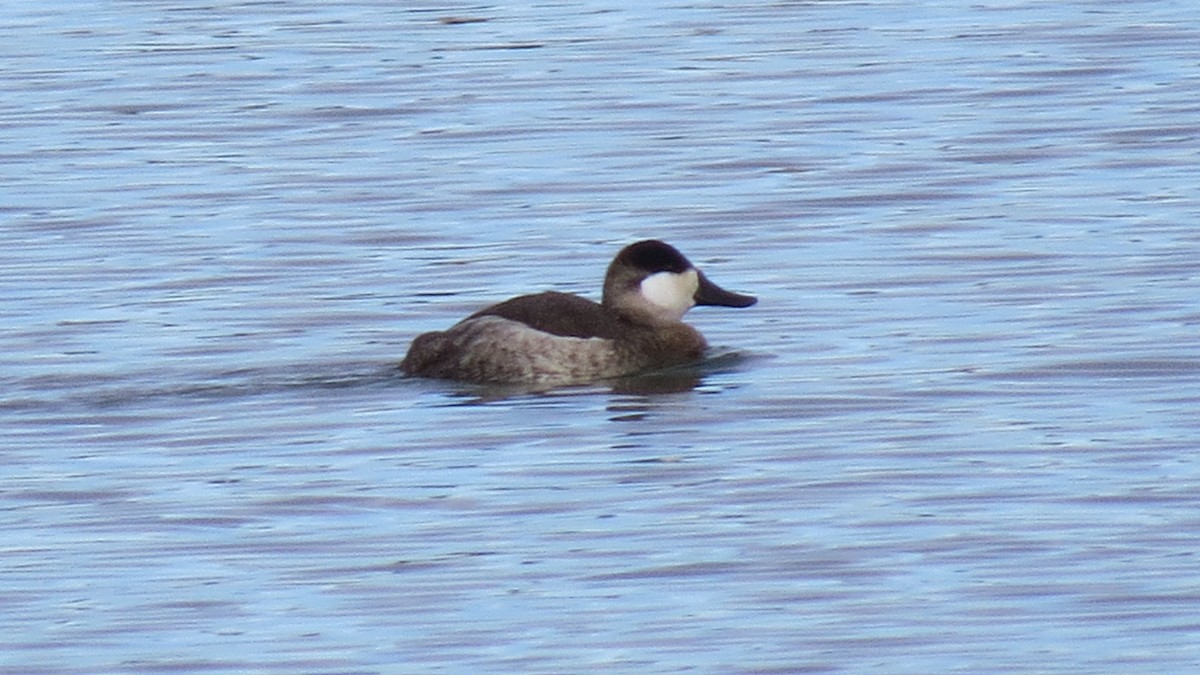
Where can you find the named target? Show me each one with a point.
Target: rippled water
(957, 434)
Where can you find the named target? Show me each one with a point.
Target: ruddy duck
(559, 338)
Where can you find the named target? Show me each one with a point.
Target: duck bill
(711, 294)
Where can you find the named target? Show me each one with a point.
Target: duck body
(552, 337)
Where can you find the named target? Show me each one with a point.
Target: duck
(553, 338)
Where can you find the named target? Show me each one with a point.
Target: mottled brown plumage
(556, 337)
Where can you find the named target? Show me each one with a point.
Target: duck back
(561, 314)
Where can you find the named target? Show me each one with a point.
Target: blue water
(958, 433)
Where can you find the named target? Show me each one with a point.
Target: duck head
(651, 282)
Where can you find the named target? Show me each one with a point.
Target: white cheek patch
(675, 293)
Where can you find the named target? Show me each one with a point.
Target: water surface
(957, 433)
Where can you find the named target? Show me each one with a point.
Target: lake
(958, 433)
